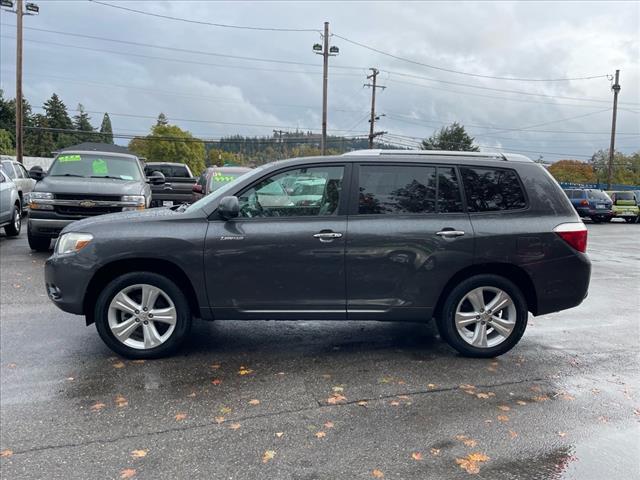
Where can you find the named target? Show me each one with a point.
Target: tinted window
(397, 189)
(270, 198)
(175, 171)
(625, 196)
(492, 189)
(449, 200)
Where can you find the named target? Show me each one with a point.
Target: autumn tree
(451, 137)
(572, 171)
(625, 168)
(169, 143)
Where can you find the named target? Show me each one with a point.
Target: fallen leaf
(566, 396)
(70, 379)
(11, 365)
(328, 424)
(504, 408)
(326, 375)
(225, 410)
(118, 365)
(338, 389)
(127, 473)
(562, 434)
(215, 366)
(96, 407)
(470, 442)
(279, 434)
(377, 473)
(394, 403)
(268, 455)
(191, 395)
(362, 403)
(494, 364)
(478, 457)
(503, 418)
(139, 453)
(492, 369)
(385, 380)
(180, 416)
(17, 285)
(636, 411)
(121, 401)
(216, 381)
(219, 420)
(403, 397)
(320, 434)
(244, 371)
(535, 388)
(435, 452)
(234, 426)
(6, 453)
(416, 456)
(471, 461)
(595, 391)
(540, 398)
(512, 434)
(336, 398)
(255, 401)
(521, 402)
(603, 419)
(482, 395)
(466, 386)
(431, 385)
(137, 362)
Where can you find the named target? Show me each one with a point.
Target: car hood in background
(89, 186)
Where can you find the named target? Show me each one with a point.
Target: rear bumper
(561, 283)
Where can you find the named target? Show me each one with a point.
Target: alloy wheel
(485, 317)
(142, 316)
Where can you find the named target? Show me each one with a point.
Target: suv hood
(90, 186)
(113, 219)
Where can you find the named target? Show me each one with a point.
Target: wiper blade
(106, 176)
(68, 175)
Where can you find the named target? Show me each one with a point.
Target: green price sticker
(69, 158)
(99, 167)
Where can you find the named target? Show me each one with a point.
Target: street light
(6, 3)
(32, 9)
(326, 52)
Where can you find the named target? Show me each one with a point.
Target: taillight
(584, 203)
(575, 234)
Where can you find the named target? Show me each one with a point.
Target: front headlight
(33, 197)
(140, 201)
(72, 242)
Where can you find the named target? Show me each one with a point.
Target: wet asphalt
(325, 400)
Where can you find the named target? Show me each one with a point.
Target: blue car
(591, 203)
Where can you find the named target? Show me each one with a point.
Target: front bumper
(66, 280)
(47, 227)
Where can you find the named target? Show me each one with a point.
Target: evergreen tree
(105, 129)
(6, 143)
(452, 137)
(162, 120)
(8, 117)
(58, 118)
(38, 142)
(82, 122)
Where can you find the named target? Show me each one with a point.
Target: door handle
(327, 236)
(450, 233)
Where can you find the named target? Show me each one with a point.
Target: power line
(478, 75)
(202, 22)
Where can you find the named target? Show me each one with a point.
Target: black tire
(608, 219)
(595, 220)
(446, 320)
(630, 219)
(177, 296)
(13, 228)
(39, 244)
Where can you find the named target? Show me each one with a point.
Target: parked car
(474, 240)
(20, 177)
(214, 178)
(178, 184)
(625, 205)
(591, 203)
(10, 206)
(82, 184)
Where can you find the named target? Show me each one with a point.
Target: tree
(452, 137)
(572, 171)
(6, 143)
(626, 168)
(169, 143)
(162, 120)
(38, 142)
(8, 117)
(58, 118)
(105, 129)
(82, 122)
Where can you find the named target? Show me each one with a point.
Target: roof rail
(438, 153)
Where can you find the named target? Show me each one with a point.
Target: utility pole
(31, 9)
(373, 77)
(280, 133)
(326, 52)
(616, 89)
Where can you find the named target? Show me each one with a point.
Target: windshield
(221, 191)
(220, 178)
(624, 196)
(94, 165)
(598, 195)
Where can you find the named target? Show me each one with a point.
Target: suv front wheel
(484, 316)
(142, 315)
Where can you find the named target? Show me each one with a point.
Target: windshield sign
(90, 165)
(219, 179)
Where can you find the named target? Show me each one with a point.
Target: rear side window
(7, 168)
(408, 189)
(175, 171)
(492, 189)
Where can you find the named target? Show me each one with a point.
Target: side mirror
(196, 188)
(229, 208)
(37, 173)
(156, 178)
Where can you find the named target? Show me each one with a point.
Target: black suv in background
(474, 240)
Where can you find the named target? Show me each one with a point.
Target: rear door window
(7, 168)
(492, 189)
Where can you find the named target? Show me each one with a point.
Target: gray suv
(472, 240)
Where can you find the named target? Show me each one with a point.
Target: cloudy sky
(216, 81)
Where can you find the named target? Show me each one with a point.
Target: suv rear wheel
(484, 316)
(142, 315)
